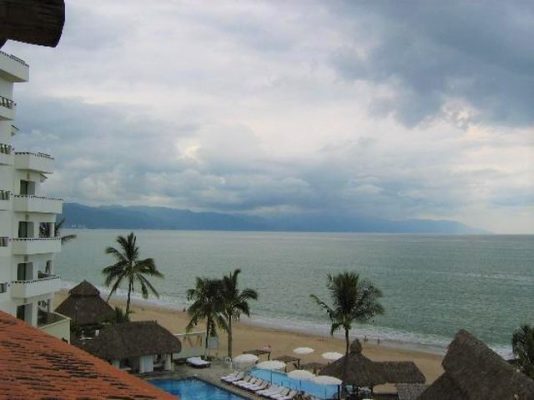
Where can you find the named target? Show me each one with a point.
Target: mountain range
(145, 217)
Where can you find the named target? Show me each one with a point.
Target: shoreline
(249, 335)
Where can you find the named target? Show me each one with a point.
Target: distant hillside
(142, 217)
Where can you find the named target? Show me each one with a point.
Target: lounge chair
(267, 392)
(284, 392)
(251, 382)
(233, 377)
(197, 362)
(259, 386)
(289, 396)
(246, 379)
(277, 390)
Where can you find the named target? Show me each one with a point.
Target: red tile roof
(34, 365)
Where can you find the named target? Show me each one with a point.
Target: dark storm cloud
(429, 52)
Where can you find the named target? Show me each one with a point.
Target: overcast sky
(391, 109)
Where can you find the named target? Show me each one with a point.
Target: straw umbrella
(331, 355)
(271, 366)
(303, 350)
(244, 360)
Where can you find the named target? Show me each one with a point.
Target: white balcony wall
(13, 69)
(34, 162)
(37, 204)
(34, 288)
(35, 246)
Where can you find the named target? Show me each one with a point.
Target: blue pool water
(194, 389)
(279, 378)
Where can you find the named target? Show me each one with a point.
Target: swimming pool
(194, 389)
(279, 378)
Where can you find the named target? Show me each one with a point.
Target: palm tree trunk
(128, 300)
(207, 337)
(345, 363)
(230, 337)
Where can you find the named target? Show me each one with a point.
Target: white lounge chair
(234, 378)
(197, 362)
(289, 396)
(259, 386)
(246, 379)
(267, 392)
(284, 392)
(244, 385)
(276, 390)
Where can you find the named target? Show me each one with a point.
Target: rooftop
(34, 365)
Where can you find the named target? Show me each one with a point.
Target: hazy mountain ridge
(145, 217)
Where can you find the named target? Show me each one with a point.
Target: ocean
(433, 285)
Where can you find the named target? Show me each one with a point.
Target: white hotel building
(28, 242)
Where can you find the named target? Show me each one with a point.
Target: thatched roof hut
(410, 391)
(85, 307)
(475, 372)
(32, 21)
(130, 340)
(363, 372)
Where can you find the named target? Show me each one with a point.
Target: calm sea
(432, 285)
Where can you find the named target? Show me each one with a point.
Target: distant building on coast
(28, 241)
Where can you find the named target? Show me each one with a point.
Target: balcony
(6, 154)
(39, 162)
(36, 287)
(13, 69)
(54, 324)
(36, 204)
(7, 108)
(5, 203)
(28, 246)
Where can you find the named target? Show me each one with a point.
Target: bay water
(433, 285)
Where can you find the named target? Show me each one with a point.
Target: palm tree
(523, 347)
(353, 300)
(235, 303)
(130, 268)
(57, 231)
(207, 305)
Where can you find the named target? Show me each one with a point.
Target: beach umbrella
(244, 360)
(271, 366)
(326, 380)
(301, 375)
(303, 350)
(331, 355)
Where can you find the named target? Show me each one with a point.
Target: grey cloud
(428, 52)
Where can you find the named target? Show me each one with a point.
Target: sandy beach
(248, 336)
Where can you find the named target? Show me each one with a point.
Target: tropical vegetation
(234, 302)
(57, 231)
(219, 302)
(129, 269)
(523, 348)
(353, 300)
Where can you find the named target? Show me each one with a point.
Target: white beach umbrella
(244, 360)
(271, 365)
(327, 380)
(332, 355)
(303, 350)
(301, 375)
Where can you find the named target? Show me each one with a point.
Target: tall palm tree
(57, 231)
(234, 303)
(354, 300)
(130, 268)
(207, 305)
(523, 347)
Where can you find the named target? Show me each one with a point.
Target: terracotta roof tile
(34, 365)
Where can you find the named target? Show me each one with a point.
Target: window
(24, 271)
(21, 312)
(27, 188)
(4, 241)
(4, 194)
(25, 229)
(45, 230)
(3, 287)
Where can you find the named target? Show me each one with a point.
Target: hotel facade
(28, 241)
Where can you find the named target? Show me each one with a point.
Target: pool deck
(211, 375)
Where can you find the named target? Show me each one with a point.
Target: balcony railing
(7, 103)
(40, 162)
(35, 287)
(27, 246)
(37, 204)
(14, 58)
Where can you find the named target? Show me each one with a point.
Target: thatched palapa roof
(475, 372)
(84, 306)
(32, 21)
(410, 391)
(130, 340)
(363, 372)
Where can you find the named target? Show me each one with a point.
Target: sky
(386, 109)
